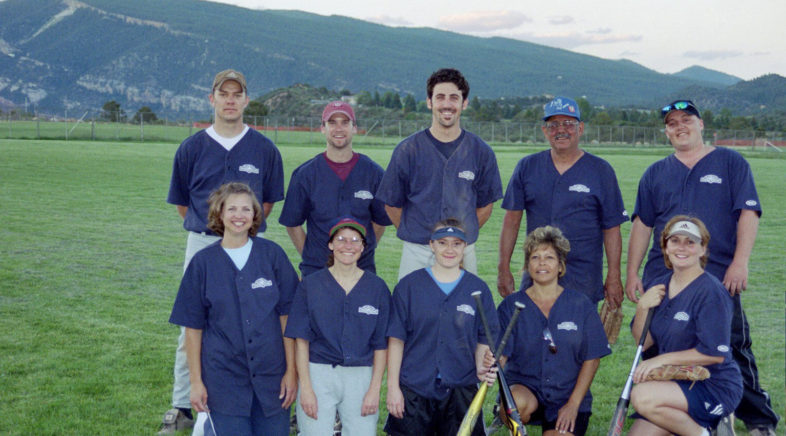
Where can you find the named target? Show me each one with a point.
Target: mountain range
(78, 54)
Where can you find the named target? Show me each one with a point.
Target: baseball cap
(338, 107)
(679, 105)
(561, 106)
(347, 222)
(685, 228)
(225, 75)
(444, 232)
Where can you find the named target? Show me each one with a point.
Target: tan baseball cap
(225, 75)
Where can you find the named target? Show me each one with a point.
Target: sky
(744, 39)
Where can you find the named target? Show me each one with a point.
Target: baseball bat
(476, 406)
(618, 420)
(514, 423)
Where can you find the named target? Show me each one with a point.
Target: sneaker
(725, 427)
(337, 425)
(761, 431)
(174, 421)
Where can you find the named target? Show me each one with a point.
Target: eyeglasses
(677, 106)
(353, 240)
(568, 124)
(547, 337)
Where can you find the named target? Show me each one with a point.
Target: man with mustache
(438, 173)
(573, 190)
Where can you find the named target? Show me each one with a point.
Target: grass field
(91, 258)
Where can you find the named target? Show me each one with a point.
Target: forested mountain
(78, 54)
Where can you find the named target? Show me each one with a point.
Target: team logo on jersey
(711, 178)
(578, 187)
(723, 348)
(717, 410)
(681, 316)
(261, 283)
(466, 308)
(751, 203)
(624, 212)
(364, 195)
(467, 175)
(567, 325)
(368, 310)
(248, 168)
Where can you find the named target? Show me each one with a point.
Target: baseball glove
(612, 320)
(679, 372)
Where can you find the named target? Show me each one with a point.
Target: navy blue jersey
(201, 165)
(317, 196)
(342, 329)
(700, 317)
(718, 187)
(429, 187)
(582, 202)
(578, 334)
(440, 332)
(238, 313)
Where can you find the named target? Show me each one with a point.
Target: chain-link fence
(96, 127)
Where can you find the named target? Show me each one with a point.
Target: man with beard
(438, 173)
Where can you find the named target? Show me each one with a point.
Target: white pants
(419, 256)
(339, 388)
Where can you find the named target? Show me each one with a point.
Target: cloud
(483, 21)
(560, 20)
(710, 55)
(601, 31)
(570, 40)
(389, 21)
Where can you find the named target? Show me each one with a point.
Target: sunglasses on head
(678, 106)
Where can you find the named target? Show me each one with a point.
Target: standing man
(568, 188)
(715, 185)
(227, 151)
(441, 172)
(336, 183)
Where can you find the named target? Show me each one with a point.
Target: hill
(78, 54)
(705, 74)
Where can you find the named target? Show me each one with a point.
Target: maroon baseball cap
(347, 222)
(338, 107)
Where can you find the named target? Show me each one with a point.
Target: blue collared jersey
(582, 202)
(440, 332)
(718, 187)
(578, 334)
(429, 187)
(238, 313)
(317, 196)
(700, 317)
(201, 165)
(342, 329)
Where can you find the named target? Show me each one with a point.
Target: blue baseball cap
(561, 106)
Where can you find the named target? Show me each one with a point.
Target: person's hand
(370, 404)
(645, 367)
(736, 278)
(505, 283)
(395, 402)
(633, 287)
(288, 391)
(198, 397)
(487, 374)
(566, 418)
(308, 402)
(613, 290)
(652, 297)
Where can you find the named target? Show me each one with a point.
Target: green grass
(91, 256)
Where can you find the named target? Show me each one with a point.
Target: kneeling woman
(339, 318)
(233, 301)
(691, 325)
(436, 342)
(556, 344)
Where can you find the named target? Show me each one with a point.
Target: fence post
(38, 128)
(92, 130)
